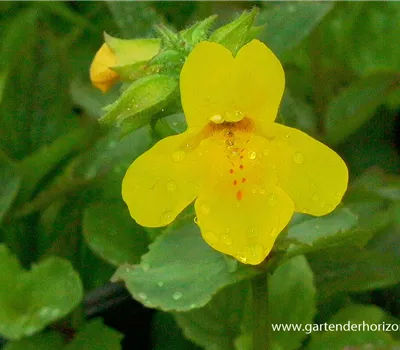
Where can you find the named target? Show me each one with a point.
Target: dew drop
(192, 306)
(217, 119)
(166, 217)
(252, 155)
(142, 296)
(298, 158)
(178, 156)
(315, 197)
(177, 295)
(254, 191)
(210, 237)
(262, 191)
(226, 239)
(171, 186)
(252, 232)
(322, 204)
(205, 209)
(271, 200)
(160, 283)
(317, 227)
(273, 232)
(196, 221)
(241, 257)
(255, 251)
(266, 152)
(145, 267)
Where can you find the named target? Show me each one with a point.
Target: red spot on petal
(231, 171)
(241, 166)
(243, 180)
(235, 182)
(239, 195)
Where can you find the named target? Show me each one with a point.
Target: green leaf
(352, 316)
(10, 180)
(288, 23)
(95, 336)
(140, 101)
(216, 325)
(353, 270)
(134, 19)
(297, 114)
(181, 271)
(291, 300)
(234, 35)
(171, 125)
(31, 300)
(42, 341)
(37, 165)
(356, 104)
(166, 335)
(112, 234)
(373, 28)
(337, 228)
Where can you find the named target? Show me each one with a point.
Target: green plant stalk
(261, 326)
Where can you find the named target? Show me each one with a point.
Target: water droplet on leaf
(145, 267)
(177, 295)
(142, 296)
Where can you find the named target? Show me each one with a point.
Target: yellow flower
(247, 174)
(101, 75)
(116, 53)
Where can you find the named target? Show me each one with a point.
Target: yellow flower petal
(313, 175)
(205, 82)
(217, 87)
(240, 210)
(101, 75)
(162, 181)
(260, 82)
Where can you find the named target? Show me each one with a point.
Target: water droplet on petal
(322, 204)
(210, 237)
(266, 152)
(142, 296)
(241, 257)
(273, 232)
(226, 239)
(171, 186)
(252, 155)
(205, 209)
(252, 232)
(271, 199)
(177, 295)
(315, 197)
(255, 251)
(145, 267)
(167, 216)
(217, 119)
(262, 191)
(196, 221)
(298, 158)
(178, 156)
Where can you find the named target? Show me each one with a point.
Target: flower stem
(261, 327)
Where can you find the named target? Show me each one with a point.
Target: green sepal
(130, 51)
(142, 99)
(199, 31)
(235, 34)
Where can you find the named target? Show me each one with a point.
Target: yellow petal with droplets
(240, 210)
(205, 83)
(260, 82)
(101, 75)
(314, 176)
(162, 181)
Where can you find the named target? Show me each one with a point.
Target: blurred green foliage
(64, 228)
